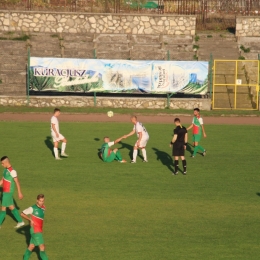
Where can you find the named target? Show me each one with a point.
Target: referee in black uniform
(178, 144)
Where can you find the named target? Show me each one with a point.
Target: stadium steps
(13, 61)
(221, 46)
(45, 45)
(250, 42)
(77, 45)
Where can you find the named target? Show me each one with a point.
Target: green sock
(43, 255)
(17, 216)
(201, 148)
(118, 156)
(2, 216)
(27, 254)
(195, 150)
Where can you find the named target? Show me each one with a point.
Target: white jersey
(139, 128)
(54, 120)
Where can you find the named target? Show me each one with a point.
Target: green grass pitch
(140, 211)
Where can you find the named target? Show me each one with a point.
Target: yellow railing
(235, 84)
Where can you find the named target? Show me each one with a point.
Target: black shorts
(178, 149)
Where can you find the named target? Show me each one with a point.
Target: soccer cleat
(145, 161)
(133, 161)
(123, 161)
(20, 224)
(204, 153)
(174, 173)
(64, 155)
(184, 173)
(192, 156)
(58, 159)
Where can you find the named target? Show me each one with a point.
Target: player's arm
(203, 130)
(20, 195)
(119, 139)
(131, 133)
(25, 214)
(185, 140)
(174, 138)
(189, 127)
(54, 129)
(1, 182)
(140, 135)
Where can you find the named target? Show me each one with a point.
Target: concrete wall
(248, 26)
(110, 102)
(32, 21)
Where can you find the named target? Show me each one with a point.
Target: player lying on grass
(109, 155)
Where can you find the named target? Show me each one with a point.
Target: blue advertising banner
(93, 75)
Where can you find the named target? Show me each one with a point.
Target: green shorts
(196, 138)
(36, 238)
(7, 199)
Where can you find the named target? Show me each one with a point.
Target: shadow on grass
(25, 230)
(165, 159)
(49, 144)
(258, 194)
(130, 149)
(189, 148)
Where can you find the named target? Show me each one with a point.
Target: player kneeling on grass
(179, 141)
(36, 213)
(109, 155)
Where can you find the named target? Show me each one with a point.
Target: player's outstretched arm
(131, 133)
(189, 127)
(20, 195)
(119, 139)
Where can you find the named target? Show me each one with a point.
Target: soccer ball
(110, 113)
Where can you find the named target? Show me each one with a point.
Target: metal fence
(211, 14)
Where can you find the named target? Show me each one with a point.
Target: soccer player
(198, 128)
(109, 155)
(36, 218)
(9, 181)
(178, 143)
(143, 138)
(56, 136)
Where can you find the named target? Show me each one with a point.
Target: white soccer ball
(110, 113)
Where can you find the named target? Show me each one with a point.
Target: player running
(56, 136)
(109, 155)
(178, 144)
(36, 218)
(9, 181)
(143, 138)
(198, 128)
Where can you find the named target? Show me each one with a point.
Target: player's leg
(2, 214)
(176, 165)
(196, 139)
(16, 215)
(135, 152)
(42, 252)
(143, 144)
(184, 164)
(111, 157)
(55, 149)
(63, 146)
(28, 251)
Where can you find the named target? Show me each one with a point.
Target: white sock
(135, 155)
(56, 153)
(63, 147)
(144, 154)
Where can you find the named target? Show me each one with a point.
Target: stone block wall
(248, 26)
(32, 21)
(110, 102)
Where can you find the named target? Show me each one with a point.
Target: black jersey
(180, 131)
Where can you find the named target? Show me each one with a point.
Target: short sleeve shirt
(197, 122)
(54, 120)
(180, 132)
(139, 128)
(28, 211)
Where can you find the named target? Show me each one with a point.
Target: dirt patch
(164, 119)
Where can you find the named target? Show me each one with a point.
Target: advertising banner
(128, 76)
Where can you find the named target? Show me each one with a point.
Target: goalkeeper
(109, 155)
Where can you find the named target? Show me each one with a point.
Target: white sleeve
(53, 120)
(110, 143)
(193, 120)
(201, 121)
(13, 173)
(28, 211)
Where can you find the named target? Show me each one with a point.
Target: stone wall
(110, 102)
(96, 23)
(248, 26)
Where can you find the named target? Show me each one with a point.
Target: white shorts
(143, 142)
(57, 139)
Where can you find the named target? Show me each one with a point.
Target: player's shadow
(258, 194)
(165, 159)
(130, 149)
(25, 230)
(49, 144)
(189, 148)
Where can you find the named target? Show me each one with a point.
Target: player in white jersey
(57, 136)
(143, 138)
